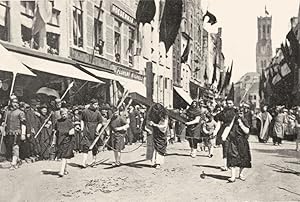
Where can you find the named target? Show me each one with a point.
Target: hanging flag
(294, 43)
(145, 11)
(42, 15)
(205, 75)
(186, 52)
(170, 22)
(225, 80)
(262, 84)
(214, 77)
(220, 83)
(230, 95)
(212, 19)
(285, 70)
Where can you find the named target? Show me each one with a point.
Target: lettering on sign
(129, 74)
(122, 14)
(87, 58)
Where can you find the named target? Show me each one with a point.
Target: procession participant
(32, 126)
(24, 144)
(193, 127)
(238, 153)
(263, 125)
(297, 128)
(15, 131)
(289, 131)
(76, 117)
(91, 123)
(248, 114)
(135, 124)
(203, 111)
(118, 127)
(45, 137)
(63, 138)
(208, 130)
(226, 118)
(278, 129)
(158, 119)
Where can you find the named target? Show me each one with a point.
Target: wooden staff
(107, 124)
(6, 111)
(47, 119)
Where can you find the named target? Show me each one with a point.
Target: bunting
(170, 22)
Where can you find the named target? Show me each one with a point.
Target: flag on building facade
(214, 77)
(262, 85)
(186, 52)
(227, 77)
(42, 15)
(212, 18)
(230, 95)
(294, 43)
(220, 82)
(145, 11)
(170, 22)
(205, 75)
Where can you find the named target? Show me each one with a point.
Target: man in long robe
(263, 124)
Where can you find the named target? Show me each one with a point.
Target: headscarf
(193, 111)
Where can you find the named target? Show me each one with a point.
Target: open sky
(238, 18)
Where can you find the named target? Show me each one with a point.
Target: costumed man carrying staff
(226, 117)
(63, 138)
(15, 131)
(193, 129)
(91, 123)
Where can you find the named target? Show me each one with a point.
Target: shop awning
(184, 95)
(57, 68)
(10, 63)
(99, 73)
(133, 86)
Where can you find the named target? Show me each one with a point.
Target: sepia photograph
(149, 100)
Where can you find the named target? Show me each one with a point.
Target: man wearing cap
(15, 132)
(91, 123)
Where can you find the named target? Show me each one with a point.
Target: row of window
(27, 13)
(263, 63)
(266, 30)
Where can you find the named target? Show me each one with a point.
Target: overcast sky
(238, 18)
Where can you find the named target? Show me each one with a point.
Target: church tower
(264, 42)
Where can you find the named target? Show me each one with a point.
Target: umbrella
(48, 91)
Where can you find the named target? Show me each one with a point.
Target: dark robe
(159, 141)
(45, 139)
(238, 147)
(225, 117)
(64, 141)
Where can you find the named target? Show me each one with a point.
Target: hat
(93, 101)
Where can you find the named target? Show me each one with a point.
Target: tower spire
(266, 11)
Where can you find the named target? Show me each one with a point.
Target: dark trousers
(277, 140)
(10, 141)
(24, 149)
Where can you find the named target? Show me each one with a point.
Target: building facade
(247, 90)
(98, 37)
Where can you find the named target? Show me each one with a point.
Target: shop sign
(122, 14)
(87, 58)
(129, 74)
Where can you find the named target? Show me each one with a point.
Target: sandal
(243, 178)
(60, 175)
